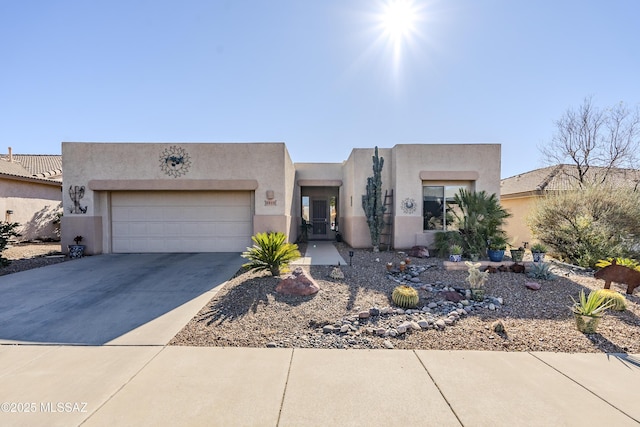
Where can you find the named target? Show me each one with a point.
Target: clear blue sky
(323, 76)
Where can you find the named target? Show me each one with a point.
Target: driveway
(112, 299)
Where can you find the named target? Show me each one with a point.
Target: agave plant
(270, 252)
(593, 305)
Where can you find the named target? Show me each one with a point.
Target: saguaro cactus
(372, 202)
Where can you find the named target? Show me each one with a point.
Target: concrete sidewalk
(320, 253)
(159, 385)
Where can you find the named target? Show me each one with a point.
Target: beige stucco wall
(476, 165)
(516, 226)
(34, 205)
(266, 167)
(405, 165)
(357, 168)
(213, 166)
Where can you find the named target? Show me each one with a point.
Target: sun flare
(398, 19)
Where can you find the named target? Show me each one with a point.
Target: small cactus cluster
(476, 278)
(616, 299)
(405, 296)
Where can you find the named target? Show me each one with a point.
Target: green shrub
(270, 252)
(7, 231)
(587, 225)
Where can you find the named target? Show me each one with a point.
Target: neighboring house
(210, 197)
(519, 193)
(30, 193)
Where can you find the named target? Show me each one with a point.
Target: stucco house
(30, 193)
(519, 193)
(209, 197)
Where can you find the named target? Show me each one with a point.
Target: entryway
(320, 211)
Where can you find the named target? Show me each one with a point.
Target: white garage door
(181, 221)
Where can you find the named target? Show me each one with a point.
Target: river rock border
(390, 322)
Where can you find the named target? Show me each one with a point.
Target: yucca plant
(588, 311)
(593, 305)
(270, 252)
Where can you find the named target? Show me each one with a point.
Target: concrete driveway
(114, 299)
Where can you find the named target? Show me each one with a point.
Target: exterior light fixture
(350, 257)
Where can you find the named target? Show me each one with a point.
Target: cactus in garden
(405, 296)
(372, 202)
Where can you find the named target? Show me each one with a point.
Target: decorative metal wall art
(175, 161)
(408, 205)
(76, 193)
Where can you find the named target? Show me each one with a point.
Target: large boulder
(418, 252)
(297, 282)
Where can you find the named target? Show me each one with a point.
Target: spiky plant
(616, 299)
(270, 252)
(593, 305)
(541, 271)
(372, 202)
(476, 278)
(405, 296)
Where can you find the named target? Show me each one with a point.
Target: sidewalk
(173, 386)
(320, 253)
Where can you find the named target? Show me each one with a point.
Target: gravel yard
(248, 312)
(25, 256)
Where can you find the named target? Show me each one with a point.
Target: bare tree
(591, 138)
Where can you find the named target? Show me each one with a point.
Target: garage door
(181, 221)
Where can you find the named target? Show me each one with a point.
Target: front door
(319, 218)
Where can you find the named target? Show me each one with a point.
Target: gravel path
(248, 312)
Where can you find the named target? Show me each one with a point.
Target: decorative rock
(327, 329)
(423, 324)
(418, 252)
(399, 311)
(415, 326)
(380, 331)
(393, 333)
(492, 307)
(363, 314)
(297, 283)
(415, 279)
(345, 328)
(452, 296)
(432, 305)
(272, 345)
(449, 321)
(440, 323)
(388, 344)
(500, 300)
(374, 311)
(401, 328)
(534, 286)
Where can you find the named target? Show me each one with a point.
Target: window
(437, 203)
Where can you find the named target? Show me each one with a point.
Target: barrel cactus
(618, 302)
(405, 296)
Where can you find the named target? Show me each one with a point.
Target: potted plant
(588, 311)
(455, 253)
(77, 250)
(517, 254)
(538, 250)
(477, 280)
(497, 246)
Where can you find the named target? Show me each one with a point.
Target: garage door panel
(169, 221)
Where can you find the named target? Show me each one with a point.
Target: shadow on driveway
(97, 299)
